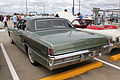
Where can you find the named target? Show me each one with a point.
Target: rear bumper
(63, 64)
(76, 57)
(116, 45)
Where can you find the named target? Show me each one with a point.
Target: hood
(67, 15)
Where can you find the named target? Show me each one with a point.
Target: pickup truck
(54, 43)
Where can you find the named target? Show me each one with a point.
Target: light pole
(44, 7)
(119, 13)
(73, 7)
(2, 7)
(26, 8)
(79, 6)
(119, 8)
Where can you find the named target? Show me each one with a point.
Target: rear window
(52, 23)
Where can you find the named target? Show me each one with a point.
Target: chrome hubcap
(30, 56)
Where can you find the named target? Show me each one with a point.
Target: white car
(114, 33)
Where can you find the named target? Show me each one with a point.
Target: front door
(18, 32)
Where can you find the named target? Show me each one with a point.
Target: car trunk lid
(65, 41)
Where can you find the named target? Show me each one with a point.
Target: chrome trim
(107, 46)
(74, 60)
(51, 61)
(67, 62)
(49, 19)
(76, 53)
(71, 54)
(38, 54)
(43, 20)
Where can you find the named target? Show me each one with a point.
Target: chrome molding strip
(43, 20)
(71, 54)
(76, 53)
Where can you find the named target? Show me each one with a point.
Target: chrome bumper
(116, 45)
(76, 57)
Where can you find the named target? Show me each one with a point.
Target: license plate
(87, 55)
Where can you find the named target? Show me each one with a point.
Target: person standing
(111, 19)
(5, 21)
(1, 18)
(99, 19)
(19, 17)
(65, 10)
(22, 16)
(15, 19)
(80, 16)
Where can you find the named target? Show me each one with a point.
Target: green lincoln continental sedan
(54, 43)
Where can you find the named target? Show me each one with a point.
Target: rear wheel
(31, 59)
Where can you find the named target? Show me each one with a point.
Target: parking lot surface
(26, 71)
(4, 70)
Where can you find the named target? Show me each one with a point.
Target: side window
(21, 24)
(42, 24)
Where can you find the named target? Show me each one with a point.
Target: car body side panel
(16, 37)
(40, 52)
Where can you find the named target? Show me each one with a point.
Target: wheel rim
(30, 56)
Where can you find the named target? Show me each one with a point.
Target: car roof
(31, 21)
(41, 18)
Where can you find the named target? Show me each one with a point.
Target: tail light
(51, 52)
(111, 40)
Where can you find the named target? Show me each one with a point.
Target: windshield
(52, 23)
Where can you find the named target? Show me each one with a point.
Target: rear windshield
(52, 23)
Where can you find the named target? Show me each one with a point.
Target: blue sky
(54, 6)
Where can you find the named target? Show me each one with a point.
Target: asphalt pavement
(26, 71)
(4, 70)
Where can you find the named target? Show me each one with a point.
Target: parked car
(86, 24)
(54, 43)
(83, 25)
(114, 33)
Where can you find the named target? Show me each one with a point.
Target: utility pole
(44, 8)
(119, 13)
(2, 9)
(26, 8)
(79, 6)
(119, 8)
(73, 7)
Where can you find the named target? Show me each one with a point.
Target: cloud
(54, 6)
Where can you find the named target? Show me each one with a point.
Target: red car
(86, 23)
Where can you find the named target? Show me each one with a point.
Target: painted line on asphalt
(9, 63)
(107, 63)
(3, 30)
(74, 72)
